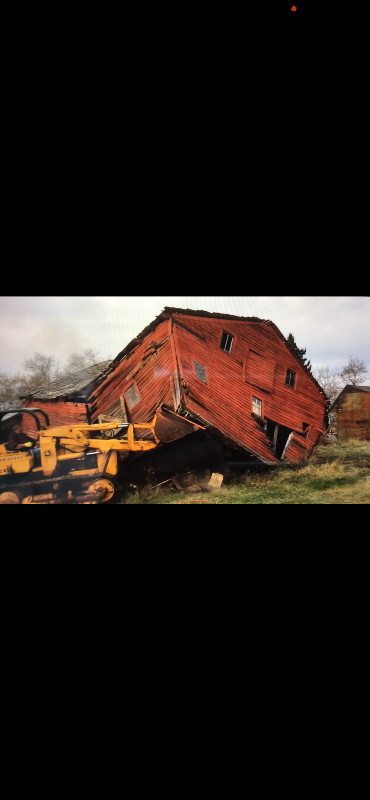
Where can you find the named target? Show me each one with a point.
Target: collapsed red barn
(236, 376)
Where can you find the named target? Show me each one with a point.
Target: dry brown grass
(338, 475)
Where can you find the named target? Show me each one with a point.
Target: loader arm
(77, 466)
(73, 440)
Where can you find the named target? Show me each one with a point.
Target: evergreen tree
(300, 352)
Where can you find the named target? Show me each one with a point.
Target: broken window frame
(288, 383)
(203, 368)
(112, 411)
(227, 335)
(258, 400)
(127, 401)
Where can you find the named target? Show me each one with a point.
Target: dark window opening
(282, 438)
(200, 371)
(305, 425)
(290, 378)
(226, 342)
(278, 435)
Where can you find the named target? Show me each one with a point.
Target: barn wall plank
(59, 412)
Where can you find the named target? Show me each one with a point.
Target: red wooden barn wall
(149, 367)
(258, 355)
(59, 412)
(226, 400)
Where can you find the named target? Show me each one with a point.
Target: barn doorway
(278, 435)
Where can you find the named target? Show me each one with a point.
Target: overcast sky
(331, 328)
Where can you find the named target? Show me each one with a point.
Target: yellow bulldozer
(78, 462)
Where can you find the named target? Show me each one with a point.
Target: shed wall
(353, 416)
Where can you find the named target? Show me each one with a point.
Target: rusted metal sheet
(170, 426)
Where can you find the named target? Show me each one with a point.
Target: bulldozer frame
(77, 466)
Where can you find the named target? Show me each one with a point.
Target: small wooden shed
(353, 413)
(65, 399)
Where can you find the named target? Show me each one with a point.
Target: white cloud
(331, 328)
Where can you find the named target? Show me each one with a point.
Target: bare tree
(329, 380)
(5, 396)
(354, 372)
(11, 388)
(79, 360)
(40, 368)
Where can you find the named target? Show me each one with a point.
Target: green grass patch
(336, 474)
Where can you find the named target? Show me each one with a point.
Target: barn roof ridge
(168, 311)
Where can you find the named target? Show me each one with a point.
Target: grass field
(336, 474)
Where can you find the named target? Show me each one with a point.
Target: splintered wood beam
(276, 431)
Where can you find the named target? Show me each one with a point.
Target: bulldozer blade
(170, 426)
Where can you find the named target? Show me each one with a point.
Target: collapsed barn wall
(180, 361)
(142, 381)
(220, 386)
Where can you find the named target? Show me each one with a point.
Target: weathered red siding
(150, 368)
(256, 367)
(226, 400)
(59, 413)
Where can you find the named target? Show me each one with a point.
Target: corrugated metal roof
(74, 383)
(169, 310)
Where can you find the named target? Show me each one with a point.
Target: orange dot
(293, 8)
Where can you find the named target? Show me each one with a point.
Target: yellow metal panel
(16, 462)
(48, 456)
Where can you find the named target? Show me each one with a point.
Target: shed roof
(350, 389)
(73, 383)
(169, 310)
